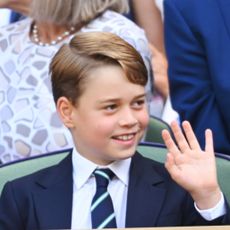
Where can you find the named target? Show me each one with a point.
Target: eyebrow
(109, 100)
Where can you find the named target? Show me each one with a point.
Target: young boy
(98, 85)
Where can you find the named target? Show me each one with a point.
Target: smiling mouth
(125, 137)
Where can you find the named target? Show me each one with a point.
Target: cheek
(144, 119)
(106, 126)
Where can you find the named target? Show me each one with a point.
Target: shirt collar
(83, 169)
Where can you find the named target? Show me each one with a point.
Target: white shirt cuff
(215, 212)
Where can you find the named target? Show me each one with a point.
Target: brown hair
(86, 51)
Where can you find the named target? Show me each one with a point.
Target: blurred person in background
(148, 14)
(198, 51)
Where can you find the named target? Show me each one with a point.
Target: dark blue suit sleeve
(196, 83)
(9, 214)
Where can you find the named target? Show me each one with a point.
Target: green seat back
(154, 129)
(29, 165)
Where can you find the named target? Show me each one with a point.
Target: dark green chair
(154, 129)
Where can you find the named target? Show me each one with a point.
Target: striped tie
(102, 212)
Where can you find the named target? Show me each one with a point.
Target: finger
(191, 138)
(179, 136)
(209, 141)
(171, 166)
(170, 144)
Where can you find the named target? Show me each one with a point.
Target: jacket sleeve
(10, 217)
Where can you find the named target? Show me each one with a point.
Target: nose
(128, 118)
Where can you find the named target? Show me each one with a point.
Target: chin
(127, 154)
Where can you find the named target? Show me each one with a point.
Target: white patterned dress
(29, 124)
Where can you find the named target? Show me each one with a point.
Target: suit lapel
(145, 195)
(53, 199)
(224, 6)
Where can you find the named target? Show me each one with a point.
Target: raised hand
(190, 166)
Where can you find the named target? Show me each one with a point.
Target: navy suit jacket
(44, 200)
(197, 39)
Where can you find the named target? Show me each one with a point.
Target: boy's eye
(139, 103)
(111, 107)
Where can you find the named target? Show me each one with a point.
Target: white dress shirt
(84, 189)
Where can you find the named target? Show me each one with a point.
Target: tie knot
(103, 176)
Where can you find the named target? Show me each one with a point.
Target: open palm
(190, 166)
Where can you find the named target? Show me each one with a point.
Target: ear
(65, 111)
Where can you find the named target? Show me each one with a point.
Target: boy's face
(110, 117)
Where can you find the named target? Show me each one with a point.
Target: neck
(49, 34)
(48, 31)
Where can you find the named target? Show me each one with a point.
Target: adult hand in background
(160, 68)
(3, 3)
(21, 6)
(190, 166)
